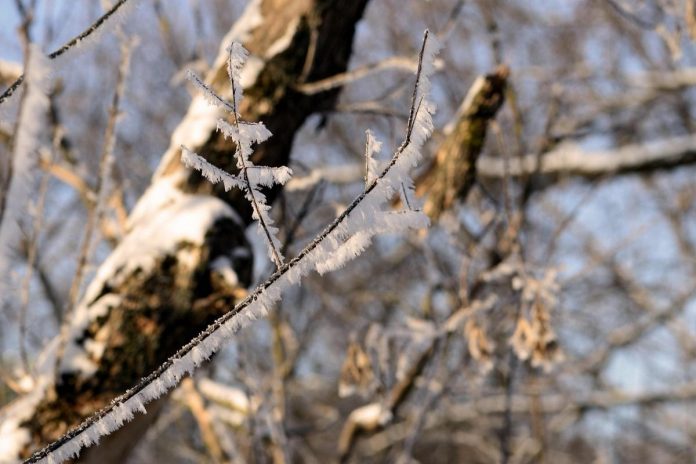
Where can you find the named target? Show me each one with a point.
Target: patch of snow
(223, 266)
(174, 219)
(198, 124)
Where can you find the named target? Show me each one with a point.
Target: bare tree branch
(572, 161)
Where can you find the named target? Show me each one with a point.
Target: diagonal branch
(75, 41)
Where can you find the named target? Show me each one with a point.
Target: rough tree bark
(453, 173)
(164, 284)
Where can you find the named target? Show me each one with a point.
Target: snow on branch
(570, 159)
(89, 33)
(208, 93)
(343, 239)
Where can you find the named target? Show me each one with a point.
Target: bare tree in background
(546, 316)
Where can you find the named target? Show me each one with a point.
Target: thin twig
(70, 44)
(300, 216)
(194, 401)
(339, 80)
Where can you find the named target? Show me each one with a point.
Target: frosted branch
(210, 96)
(244, 135)
(209, 171)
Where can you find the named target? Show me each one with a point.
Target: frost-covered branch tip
(344, 238)
(251, 178)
